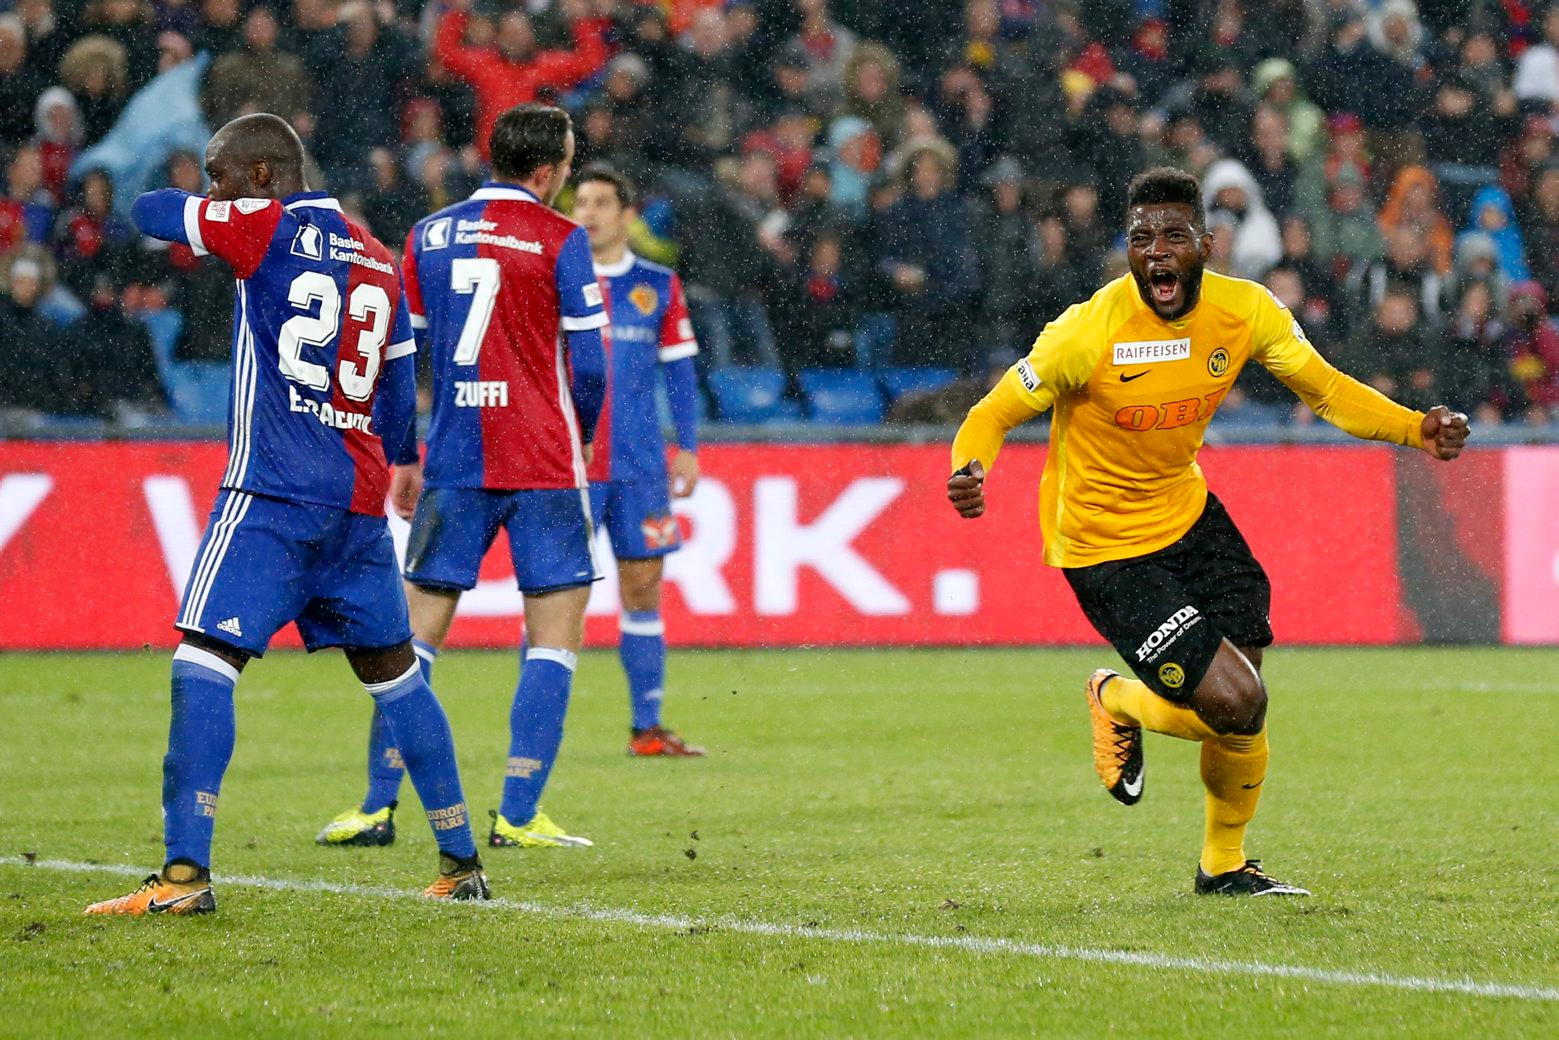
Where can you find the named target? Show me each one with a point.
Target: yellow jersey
(1133, 394)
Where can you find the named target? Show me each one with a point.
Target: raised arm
(239, 232)
(1351, 406)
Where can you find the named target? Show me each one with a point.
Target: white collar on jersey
(491, 192)
(313, 200)
(618, 269)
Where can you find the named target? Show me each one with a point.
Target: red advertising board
(787, 545)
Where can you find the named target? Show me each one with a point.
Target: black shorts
(1167, 613)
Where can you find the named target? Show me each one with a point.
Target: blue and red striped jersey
(496, 281)
(650, 329)
(319, 313)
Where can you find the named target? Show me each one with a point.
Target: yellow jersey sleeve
(1279, 343)
(1061, 360)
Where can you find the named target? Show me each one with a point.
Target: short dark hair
(528, 137)
(605, 173)
(1165, 185)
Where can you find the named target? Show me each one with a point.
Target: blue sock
(535, 729)
(200, 743)
(422, 733)
(385, 768)
(642, 647)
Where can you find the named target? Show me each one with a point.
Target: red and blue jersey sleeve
(238, 231)
(579, 293)
(417, 315)
(676, 327)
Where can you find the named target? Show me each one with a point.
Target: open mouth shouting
(1164, 287)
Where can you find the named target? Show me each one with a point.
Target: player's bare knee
(1232, 702)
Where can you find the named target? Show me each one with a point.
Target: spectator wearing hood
(1413, 204)
(1478, 261)
(1276, 84)
(1534, 348)
(97, 73)
(1228, 188)
(872, 91)
(854, 154)
(58, 134)
(1492, 213)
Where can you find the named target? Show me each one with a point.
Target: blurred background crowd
(874, 205)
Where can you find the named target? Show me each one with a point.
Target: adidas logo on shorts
(231, 627)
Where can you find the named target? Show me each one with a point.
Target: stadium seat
(748, 394)
(199, 391)
(843, 396)
(900, 381)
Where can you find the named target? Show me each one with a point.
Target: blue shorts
(266, 561)
(637, 517)
(551, 538)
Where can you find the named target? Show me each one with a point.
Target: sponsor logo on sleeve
(685, 329)
(219, 212)
(309, 243)
(248, 206)
(1152, 351)
(1028, 377)
(1299, 333)
(592, 292)
(435, 234)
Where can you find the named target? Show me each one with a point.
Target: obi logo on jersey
(435, 235)
(1139, 418)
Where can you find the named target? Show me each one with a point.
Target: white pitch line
(968, 944)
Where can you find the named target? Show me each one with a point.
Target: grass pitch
(880, 843)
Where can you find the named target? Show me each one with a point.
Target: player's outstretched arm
(160, 214)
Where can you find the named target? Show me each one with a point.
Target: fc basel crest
(1218, 363)
(644, 298)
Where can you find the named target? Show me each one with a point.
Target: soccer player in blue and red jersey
(630, 494)
(323, 380)
(504, 293)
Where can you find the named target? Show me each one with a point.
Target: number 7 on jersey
(476, 277)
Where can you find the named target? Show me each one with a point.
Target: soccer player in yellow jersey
(1134, 375)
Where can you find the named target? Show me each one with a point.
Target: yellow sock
(1133, 701)
(1233, 768)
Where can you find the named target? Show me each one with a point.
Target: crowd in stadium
(853, 185)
